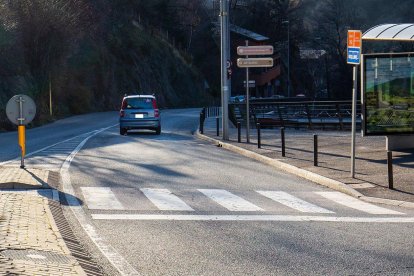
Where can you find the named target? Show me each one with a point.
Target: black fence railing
(309, 114)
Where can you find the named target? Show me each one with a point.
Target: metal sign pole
(354, 106)
(224, 13)
(21, 132)
(21, 110)
(247, 102)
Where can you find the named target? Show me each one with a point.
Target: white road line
(357, 204)
(73, 139)
(101, 198)
(120, 264)
(294, 202)
(288, 218)
(229, 200)
(55, 196)
(165, 200)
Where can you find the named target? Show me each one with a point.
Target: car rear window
(138, 103)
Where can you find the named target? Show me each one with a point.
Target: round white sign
(21, 110)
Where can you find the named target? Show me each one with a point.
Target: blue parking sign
(354, 55)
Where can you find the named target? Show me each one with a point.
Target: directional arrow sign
(254, 50)
(254, 62)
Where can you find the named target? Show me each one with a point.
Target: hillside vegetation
(88, 54)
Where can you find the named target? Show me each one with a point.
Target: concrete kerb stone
(316, 178)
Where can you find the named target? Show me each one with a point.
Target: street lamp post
(288, 63)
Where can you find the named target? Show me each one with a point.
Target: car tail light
(156, 111)
(121, 113)
(124, 104)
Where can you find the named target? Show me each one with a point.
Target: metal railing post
(218, 126)
(282, 134)
(315, 150)
(259, 142)
(201, 122)
(238, 132)
(390, 173)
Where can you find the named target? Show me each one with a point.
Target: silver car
(139, 112)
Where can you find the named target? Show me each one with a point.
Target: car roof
(139, 96)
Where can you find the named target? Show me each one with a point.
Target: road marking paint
(357, 204)
(283, 218)
(165, 200)
(294, 202)
(120, 264)
(229, 200)
(77, 139)
(55, 195)
(101, 198)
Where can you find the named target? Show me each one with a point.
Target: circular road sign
(21, 110)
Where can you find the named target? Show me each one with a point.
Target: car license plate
(139, 116)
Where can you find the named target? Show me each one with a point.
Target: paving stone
(26, 224)
(334, 157)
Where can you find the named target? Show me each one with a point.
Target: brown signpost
(255, 50)
(254, 62)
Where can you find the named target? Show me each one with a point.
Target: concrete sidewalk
(371, 178)
(30, 241)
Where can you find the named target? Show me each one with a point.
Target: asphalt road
(175, 205)
(38, 138)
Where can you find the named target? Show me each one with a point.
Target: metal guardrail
(212, 111)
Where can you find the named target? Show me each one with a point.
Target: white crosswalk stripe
(294, 202)
(230, 201)
(101, 198)
(285, 218)
(165, 200)
(357, 204)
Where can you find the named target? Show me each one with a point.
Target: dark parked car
(139, 112)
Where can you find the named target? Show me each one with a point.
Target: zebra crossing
(260, 202)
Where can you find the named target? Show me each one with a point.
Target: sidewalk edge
(316, 178)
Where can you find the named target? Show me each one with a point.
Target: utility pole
(247, 101)
(225, 39)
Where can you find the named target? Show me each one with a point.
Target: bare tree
(47, 31)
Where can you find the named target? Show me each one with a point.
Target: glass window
(389, 94)
(139, 103)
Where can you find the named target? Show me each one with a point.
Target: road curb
(316, 178)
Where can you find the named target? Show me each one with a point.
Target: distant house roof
(247, 33)
(400, 32)
(311, 53)
(243, 32)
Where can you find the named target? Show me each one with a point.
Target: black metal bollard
(202, 123)
(217, 126)
(238, 132)
(282, 134)
(390, 173)
(315, 150)
(259, 140)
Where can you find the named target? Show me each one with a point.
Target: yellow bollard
(22, 139)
